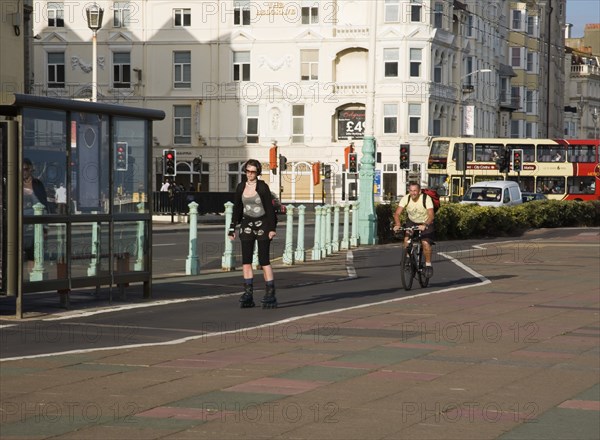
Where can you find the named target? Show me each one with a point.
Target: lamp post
(464, 90)
(94, 18)
(595, 116)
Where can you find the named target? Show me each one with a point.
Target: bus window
(438, 156)
(550, 153)
(581, 185)
(469, 148)
(480, 178)
(526, 183)
(550, 185)
(439, 182)
(581, 153)
(488, 152)
(528, 151)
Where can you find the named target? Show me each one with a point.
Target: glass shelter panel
(131, 246)
(90, 249)
(130, 177)
(44, 252)
(44, 158)
(89, 159)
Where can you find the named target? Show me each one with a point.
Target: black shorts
(251, 230)
(427, 235)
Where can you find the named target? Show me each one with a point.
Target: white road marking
(482, 279)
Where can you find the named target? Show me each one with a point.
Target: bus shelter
(76, 196)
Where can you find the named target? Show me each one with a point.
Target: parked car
(493, 193)
(279, 208)
(531, 196)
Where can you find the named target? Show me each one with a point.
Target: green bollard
(228, 258)
(288, 252)
(316, 251)
(300, 244)
(192, 264)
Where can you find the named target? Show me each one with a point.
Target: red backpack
(435, 198)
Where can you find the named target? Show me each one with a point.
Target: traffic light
(169, 163)
(282, 163)
(121, 156)
(197, 164)
(352, 163)
(503, 162)
(327, 171)
(404, 156)
(517, 160)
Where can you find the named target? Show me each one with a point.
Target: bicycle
(412, 264)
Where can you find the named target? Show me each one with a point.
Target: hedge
(454, 221)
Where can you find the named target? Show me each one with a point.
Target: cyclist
(419, 214)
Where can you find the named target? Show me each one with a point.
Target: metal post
(228, 259)
(345, 235)
(288, 252)
(324, 228)
(192, 264)
(300, 243)
(335, 242)
(355, 237)
(94, 69)
(38, 273)
(316, 251)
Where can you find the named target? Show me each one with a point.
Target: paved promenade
(515, 356)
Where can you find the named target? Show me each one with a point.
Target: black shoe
(269, 301)
(247, 299)
(428, 271)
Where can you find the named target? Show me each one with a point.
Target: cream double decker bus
(562, 169)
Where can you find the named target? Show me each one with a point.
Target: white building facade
(236, 77)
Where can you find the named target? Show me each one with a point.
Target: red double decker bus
(563, 169)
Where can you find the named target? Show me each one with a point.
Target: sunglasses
(251, 171)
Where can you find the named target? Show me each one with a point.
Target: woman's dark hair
(254, 163)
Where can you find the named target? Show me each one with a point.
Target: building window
(252, 124)
(514, 129)
(532, 26)
(515, 56)
(391, 60)
(390, 118)
(309, 65)
(438, 15)
(56, 70)
(415, 10)
(122, 14)
(504, 90)
(437, 127)
(241, 12)
(241, 66)
(515, 97)
(415, 62)
(182, 17)
(469, 26)
(437, 74)
(310, 15)
(529, 129)
(182, 69)
(182, 124)
(532, 62)
(235, 171)
(392, 11)
(414, 118)
(56, 14)
(531, 102)
(517, 20)
(298, 123)
(121, 70)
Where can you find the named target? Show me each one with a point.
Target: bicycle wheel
(423, 280)
(407, 269)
